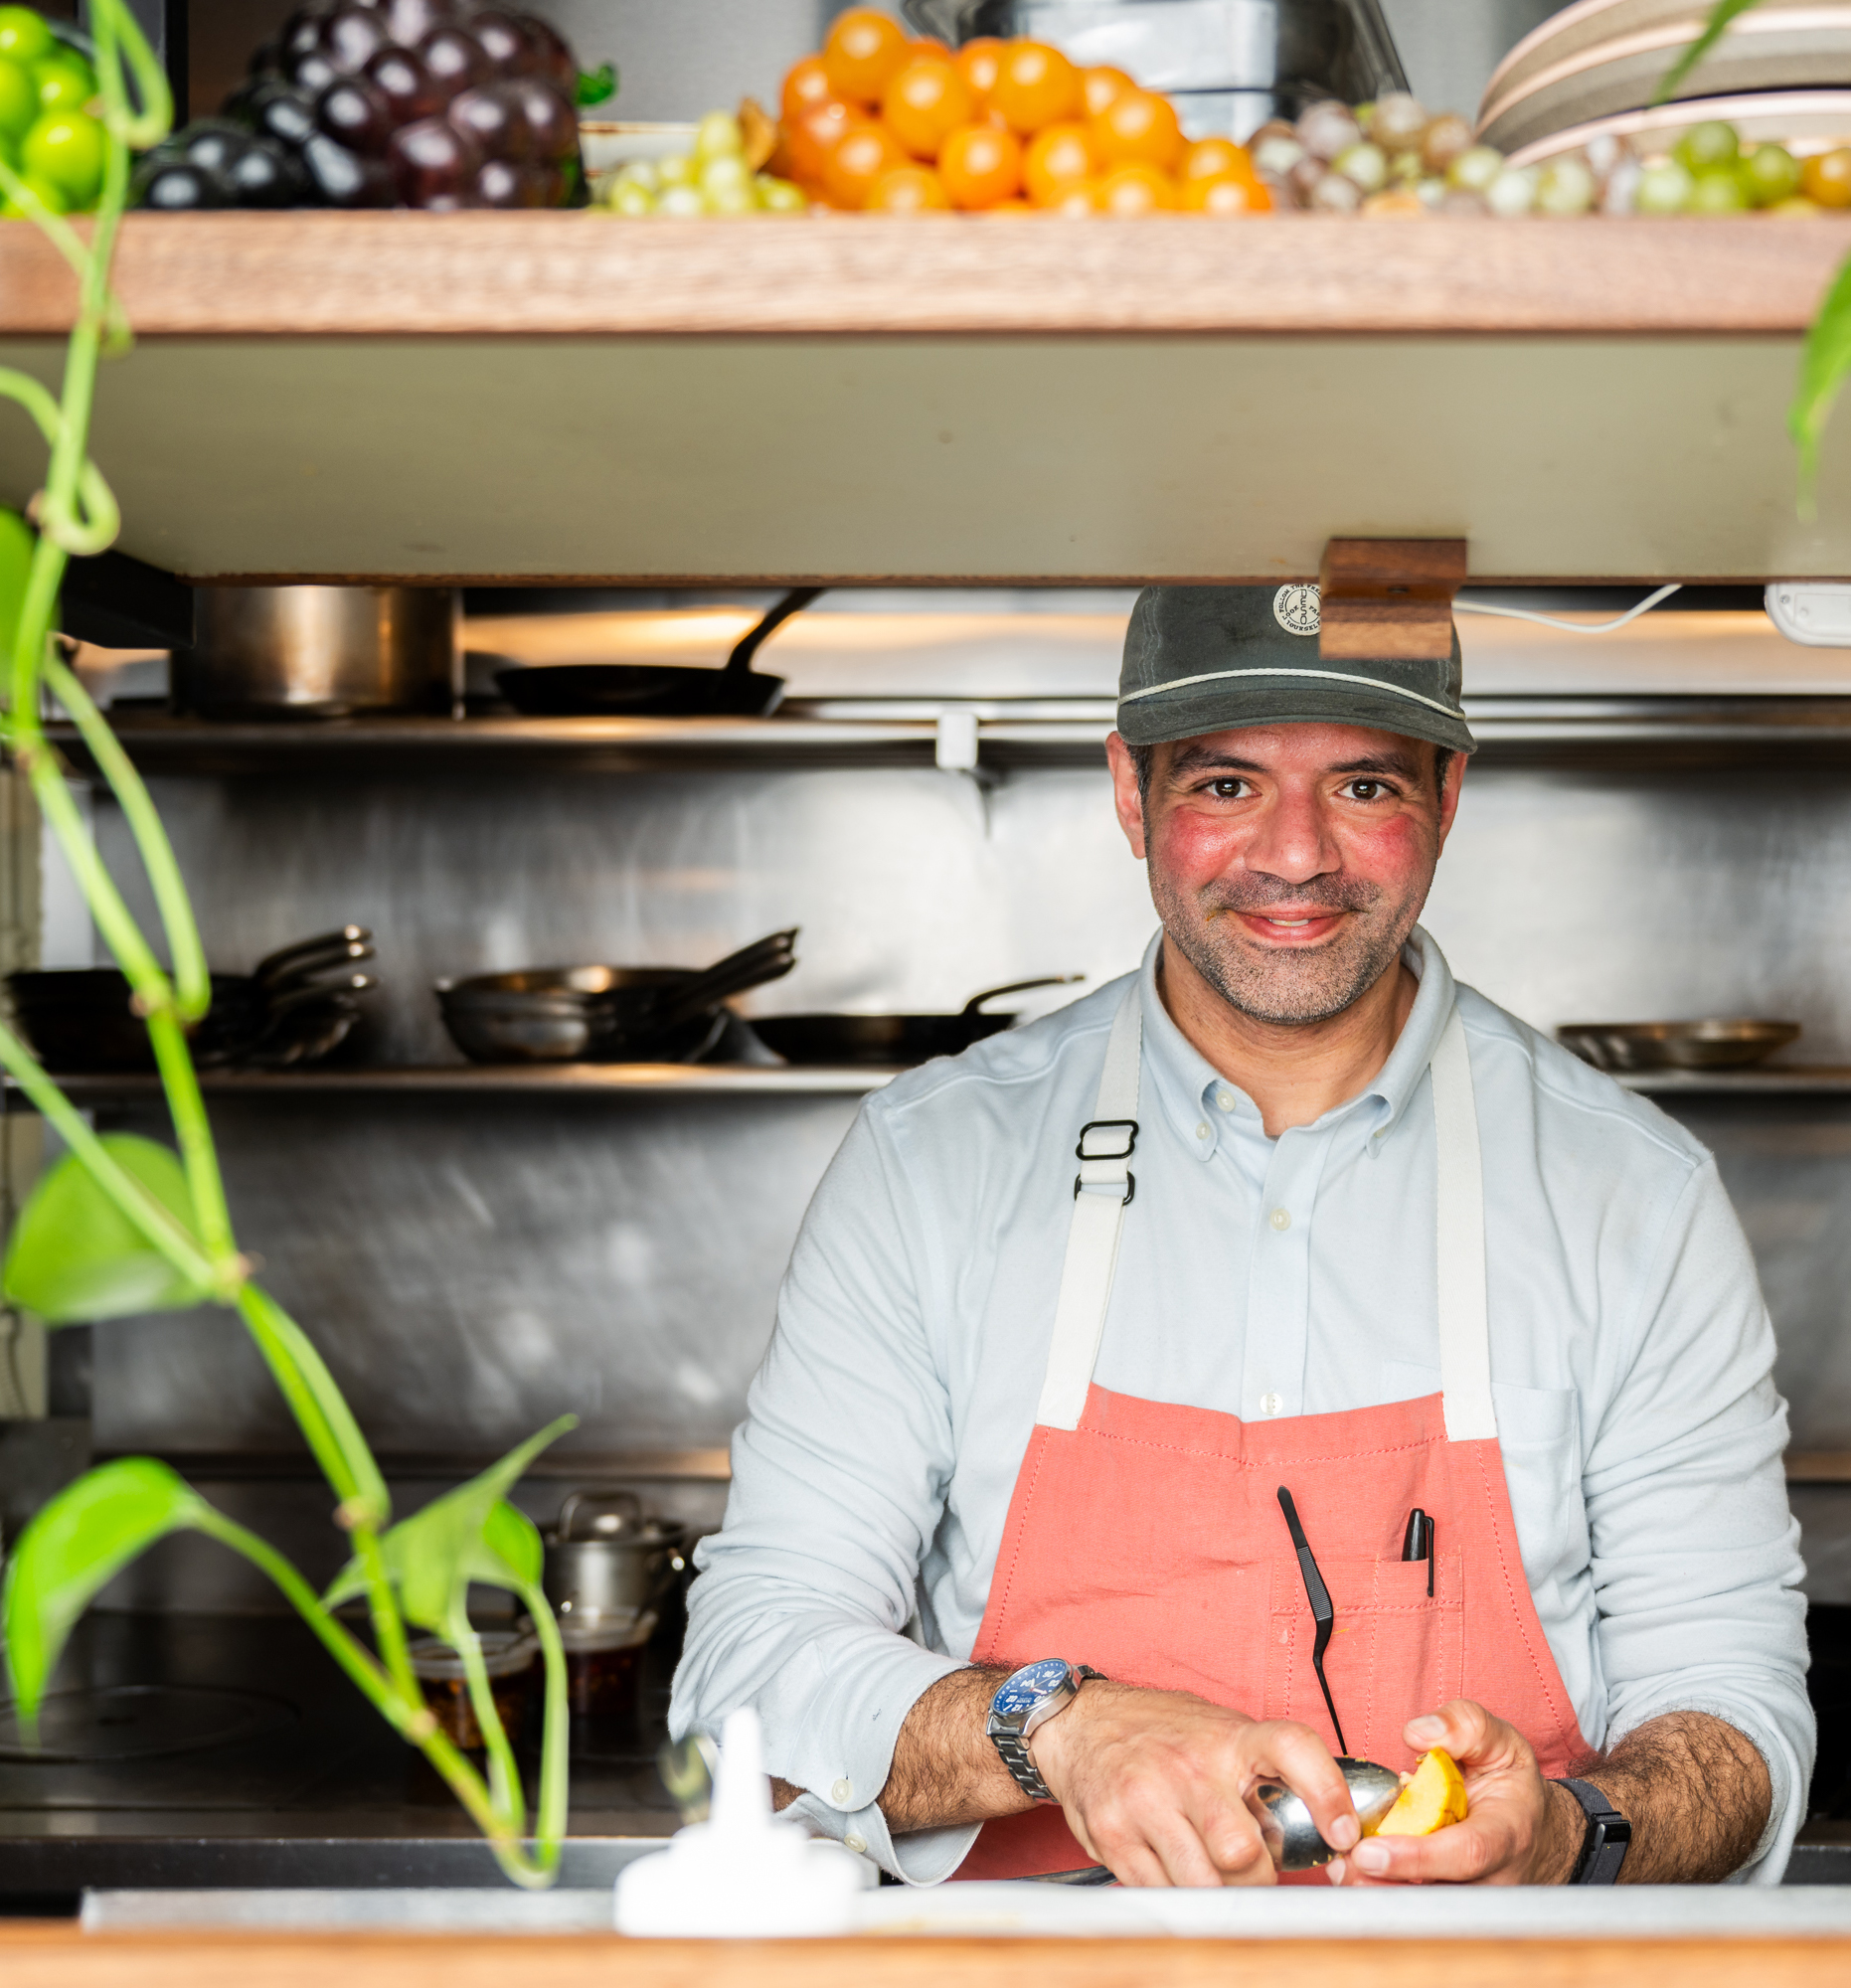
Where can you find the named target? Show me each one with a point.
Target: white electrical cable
(1574, 627)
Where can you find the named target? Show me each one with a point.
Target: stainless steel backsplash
(474, 1267)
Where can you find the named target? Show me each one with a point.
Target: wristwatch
(1028, 1699)
(1603, 1848)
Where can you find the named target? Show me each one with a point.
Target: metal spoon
(1286, 1823)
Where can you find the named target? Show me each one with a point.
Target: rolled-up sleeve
(1695, 1552)
(803, 1600)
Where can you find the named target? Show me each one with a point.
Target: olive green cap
(1200, 659)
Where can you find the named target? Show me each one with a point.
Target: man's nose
(1291, 840)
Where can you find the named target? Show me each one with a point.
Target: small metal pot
(319, 651)
(608, 1562)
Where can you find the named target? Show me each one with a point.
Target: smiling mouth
(1306, 925)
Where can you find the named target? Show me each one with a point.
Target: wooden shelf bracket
(1389, 597)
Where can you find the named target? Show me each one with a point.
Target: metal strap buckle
(1130, 1127)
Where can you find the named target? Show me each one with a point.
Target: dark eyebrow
(1201, 759)
(1195, 758)
(1382, 762)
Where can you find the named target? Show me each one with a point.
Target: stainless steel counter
(306, 1786)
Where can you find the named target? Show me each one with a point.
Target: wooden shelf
(528, 397)
(1512, 730)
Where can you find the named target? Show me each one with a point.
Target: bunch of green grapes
(47, 135)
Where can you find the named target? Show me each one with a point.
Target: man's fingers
(1464, 1853)
(1294, 1754)
(1466, 1729)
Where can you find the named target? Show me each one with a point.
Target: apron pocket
(1393, 1654)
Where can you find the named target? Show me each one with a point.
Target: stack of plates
(1603, 59)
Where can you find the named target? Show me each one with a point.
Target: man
(1350, 1260)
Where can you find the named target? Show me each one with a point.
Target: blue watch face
(1029, 1686)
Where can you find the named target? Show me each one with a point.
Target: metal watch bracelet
(1015, 1755)
(1604, 1847)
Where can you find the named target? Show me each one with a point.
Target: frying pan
(656, 690)
(891, 1038)
(82, 1018)
(605, 1014)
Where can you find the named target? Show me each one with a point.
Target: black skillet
(656, 690)
(891, 1039)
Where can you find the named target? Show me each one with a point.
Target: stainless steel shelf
(635, 1079)
(1512, 730)
(1765, 1079)
(619, 1079)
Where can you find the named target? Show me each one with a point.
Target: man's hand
(1159, 1784)
(1519, 1828)
(1696, 1791)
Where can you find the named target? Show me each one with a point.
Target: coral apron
(1147, 1539)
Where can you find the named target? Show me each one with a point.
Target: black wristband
(1604, 1847)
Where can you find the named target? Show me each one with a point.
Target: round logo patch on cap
(1294, 609)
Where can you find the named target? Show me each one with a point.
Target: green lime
(1718, 190)
(24, 35)
(66, 82)
(16, 545)
(19, 98)
(66, 148)
(1769, 174)
(1711, 143)
(52, 195)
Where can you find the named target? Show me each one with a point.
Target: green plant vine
(1825, 359)
(120, 1226)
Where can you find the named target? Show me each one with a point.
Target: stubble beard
(1288, 987)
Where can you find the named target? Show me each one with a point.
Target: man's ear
(1125, 796)
(1449, 795)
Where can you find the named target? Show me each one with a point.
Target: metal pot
(319, 651)
(609, 1563)
(1227, 64)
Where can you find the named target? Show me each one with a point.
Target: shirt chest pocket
(1539, 1441)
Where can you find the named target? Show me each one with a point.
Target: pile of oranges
(880, 122)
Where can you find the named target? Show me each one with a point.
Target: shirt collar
(1186, 1089)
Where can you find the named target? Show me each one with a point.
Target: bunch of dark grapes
(385, 103)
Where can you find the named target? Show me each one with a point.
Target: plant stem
(192, 982)
(504, 1777)
(556, 1731)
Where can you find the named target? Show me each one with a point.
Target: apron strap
(1464, 1322)
(1102, 1189)
(1105, 1185)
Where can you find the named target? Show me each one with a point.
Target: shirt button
(1225, 1099)
(843, 1792)
(857, 1844)
(1201, 1131)
(1280, 1219)
(1271, 1404)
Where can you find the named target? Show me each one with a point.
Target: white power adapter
(1813, 612)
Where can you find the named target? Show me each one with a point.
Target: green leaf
(1823, 364)
(470, 1534)
(74, 1546)
(318, 1406)
(597, 86)
(1714, 29)
(17, 540)
(75, 1255)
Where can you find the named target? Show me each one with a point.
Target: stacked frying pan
(605, 1014)
(292, 1007)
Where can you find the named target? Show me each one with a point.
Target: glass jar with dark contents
(510, 1657)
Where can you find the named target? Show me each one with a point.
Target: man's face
(1289, 862)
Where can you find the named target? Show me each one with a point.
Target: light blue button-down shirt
(1631, 1363)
